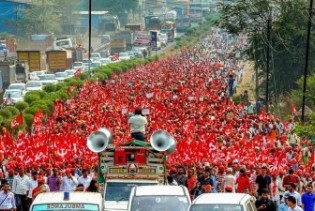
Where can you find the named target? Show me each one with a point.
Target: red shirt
(291, 178)
(242, 183)
(191, 183)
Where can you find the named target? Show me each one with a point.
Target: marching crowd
(221, 146)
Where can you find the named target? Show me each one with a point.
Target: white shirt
(7, 200)
(32, 184)
(230, 180)
(297, 196)
(85, 181)
(137, 123)
(20, 185)
(297, 208)
(69, 184)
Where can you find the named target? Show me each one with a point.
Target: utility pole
(309, 27)
(268, 61)
(90, 31)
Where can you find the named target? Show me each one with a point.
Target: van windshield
(117, 191)
(65, 207)
(216, 207)
(160, 203)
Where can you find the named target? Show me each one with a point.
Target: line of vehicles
(134, 178)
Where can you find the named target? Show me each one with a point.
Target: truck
(117, 45)
(138, 163)
(33, 58)
(182, 23)
(141, 38)
(168, 27)
(21, 71)
(7, 75)
(125, 35)
(152, 22)
(133, 27)
(59, 60)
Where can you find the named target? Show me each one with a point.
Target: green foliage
(237, 99)
(5, 113)
(21, 106)
(307, 130)
(32, 96)
(288, 35)
(14, 111)
(50, 88)
(28, 119)
(40, 17)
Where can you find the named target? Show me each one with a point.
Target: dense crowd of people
(221, 146)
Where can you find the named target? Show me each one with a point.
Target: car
(124, 56)
(61, 76)
(105, 61)
(81, 201)
(95, 56)
(131, 54)
(15, 94)
(34, 86)
(159, 197)
(39, 72)
(70, 72)
(33, 76)
(96, 64)
(77, 65)
(48, 79)
(20, 86)
(223, 202)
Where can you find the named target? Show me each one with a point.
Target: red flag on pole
(38, 117)
(17, 121)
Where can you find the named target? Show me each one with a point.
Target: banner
(141, 38)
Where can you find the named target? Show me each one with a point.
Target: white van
(82, 201)
(159, 197)
(223, 202)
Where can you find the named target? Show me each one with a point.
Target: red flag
(78, 72)
(38, 117)
(17, 121)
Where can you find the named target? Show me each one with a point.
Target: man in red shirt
(242, 182)
(290, 178)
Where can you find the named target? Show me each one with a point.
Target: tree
(289, 21)
(40, 18)
(121, 8)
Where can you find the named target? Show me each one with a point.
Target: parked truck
(7, 75)
(133, 27)
(117, 45)
(59, 60)
(168, 27)
(33, 59)
(128, 36)
(122, 167)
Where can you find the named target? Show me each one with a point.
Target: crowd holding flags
(187, 95)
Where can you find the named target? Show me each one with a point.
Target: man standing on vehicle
(137, 124)
(7, 200)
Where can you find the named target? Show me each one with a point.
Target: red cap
(41, 180)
